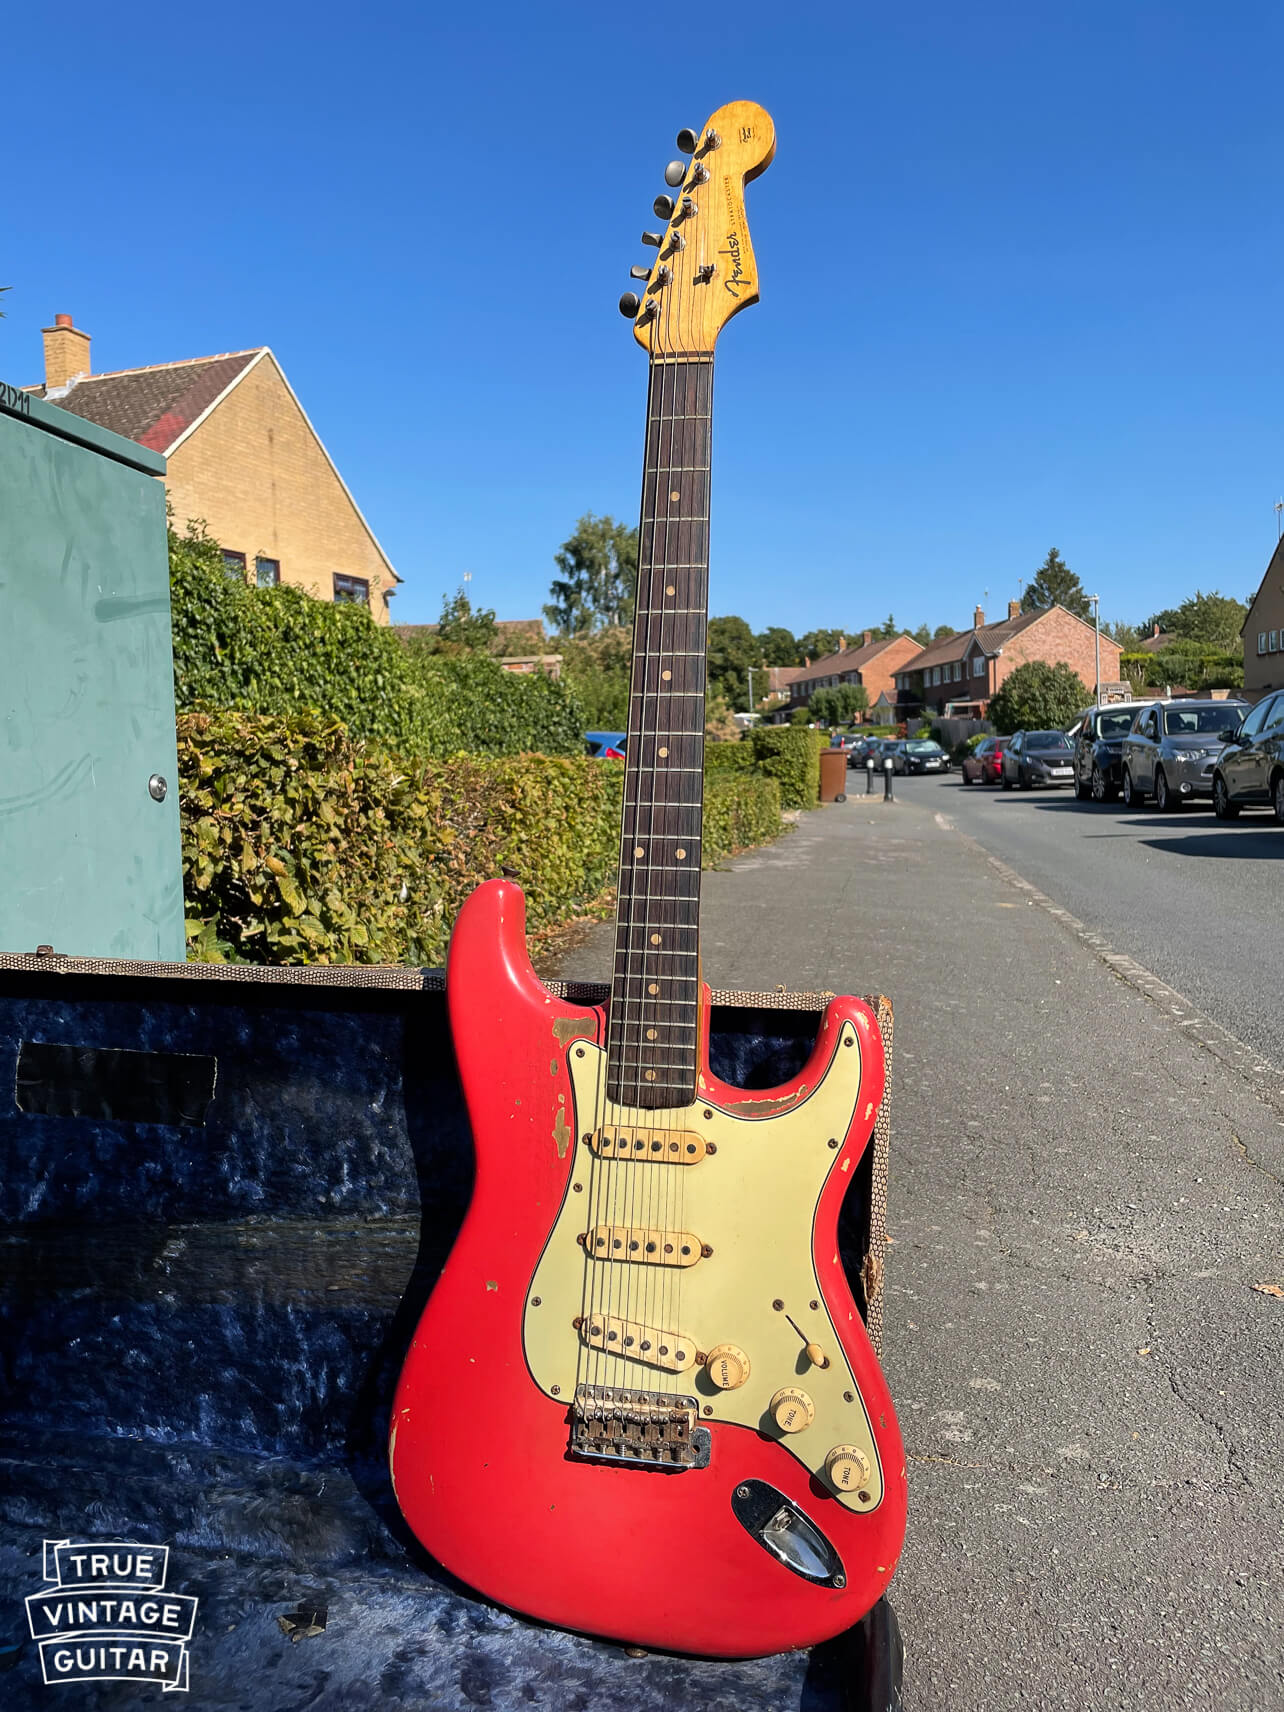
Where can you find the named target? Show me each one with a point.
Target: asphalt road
(1198, 901)
(1084, 1205)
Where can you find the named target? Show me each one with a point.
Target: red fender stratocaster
(641, 1401)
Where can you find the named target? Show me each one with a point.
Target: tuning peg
(639, 273)
(655, 239)
(663, 207)
(688, 141)
(685, 209)
(630, 303)
(699, 174)
(675, 172)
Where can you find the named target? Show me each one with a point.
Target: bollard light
(869, 775)
(887, 780)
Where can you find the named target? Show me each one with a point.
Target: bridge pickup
(647, 1429)
(648, 1145)
(635, 1342)
(645, 1246)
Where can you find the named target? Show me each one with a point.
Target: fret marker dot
(651, 1034)
(666, 676)
(638, 850)
(653, 987)
(655, 939)
(650, 1075)
(675, 496)
(670, 589)
(662, 753)
(680, 854)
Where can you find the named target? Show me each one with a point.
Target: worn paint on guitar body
(479, 1445)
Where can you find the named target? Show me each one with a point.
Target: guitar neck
(654, 1036)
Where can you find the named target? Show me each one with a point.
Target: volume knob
(727, 1366)
(847, 1467)
(792, 1409)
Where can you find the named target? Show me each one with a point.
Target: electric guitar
(641, 1401)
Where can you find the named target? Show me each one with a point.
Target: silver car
(1172, 749)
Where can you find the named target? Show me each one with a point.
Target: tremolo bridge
(647, 1429)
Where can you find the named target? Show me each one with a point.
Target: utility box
(90, 856)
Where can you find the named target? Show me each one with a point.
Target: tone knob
(792, 1409)
(630, 303)
(847, 1467)
(674, 173)
(727, 1366)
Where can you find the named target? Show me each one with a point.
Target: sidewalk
(1090, 1389)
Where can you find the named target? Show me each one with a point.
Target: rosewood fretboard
(655, 989)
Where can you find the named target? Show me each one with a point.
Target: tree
(888, 630)
(779, 647)
(1039, 697)
(1126, 635)
(823, 705)
(732, 650)
(838, 704)
(941, 630)
(596, 669)
(462, 628)
(599, 566)
(922, 635)
(1055, 584)
(1211, 619)
(817, 643)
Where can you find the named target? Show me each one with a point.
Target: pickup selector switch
(792, 1409)
(727, 1366)
(847, 1467)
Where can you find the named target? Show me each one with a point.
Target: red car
(984, 766)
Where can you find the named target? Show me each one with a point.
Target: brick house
(958, 674)
(242, 456)
(874, 663)
(1263, 632)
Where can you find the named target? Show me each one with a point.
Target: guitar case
(227, 1191)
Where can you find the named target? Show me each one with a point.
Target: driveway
(1084, 1204)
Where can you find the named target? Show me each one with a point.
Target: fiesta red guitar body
(479, 1453)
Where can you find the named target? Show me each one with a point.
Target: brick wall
(1264, 670)
(1058, 635)
(879, 676)
(256, 473)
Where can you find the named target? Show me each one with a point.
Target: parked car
(919, 755)
(1036, 758)
(984, 766)
(861, 747)
(1098, 749)
(1172, 750)
(1251, 767)
(605, 745)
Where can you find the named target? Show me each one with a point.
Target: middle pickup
(642, 1245)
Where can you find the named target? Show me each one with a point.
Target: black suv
(1250, 769)
(1098, 749)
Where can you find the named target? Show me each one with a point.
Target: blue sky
(1020, 273)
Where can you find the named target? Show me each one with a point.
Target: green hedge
(722, 758)
(304, 845)
(739, 812)
(790, 754)
(281, 652)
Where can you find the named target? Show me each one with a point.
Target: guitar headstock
(703, 271)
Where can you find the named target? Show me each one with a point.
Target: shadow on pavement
(1263, 845)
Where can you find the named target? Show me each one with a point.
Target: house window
(267, 572)
(1261, 636)
(1272, 644)
(958, 670)
(978, 666)
(234, 563)
(351, 591)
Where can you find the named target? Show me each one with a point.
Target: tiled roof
(990, 636)
(848, 659)
(1156, 643)
(154, 406)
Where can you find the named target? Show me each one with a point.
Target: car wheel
(1165, 801)
(1004, 780)
(1133, 798)
(1024, 780)
(1101, 791)
(1223, 807)
(1082, 792)
(1277, 797)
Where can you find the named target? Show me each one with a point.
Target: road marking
(1266, 1079)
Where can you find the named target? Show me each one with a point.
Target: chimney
(1014, 609)
(1155, 631)
(842, 644)
(869, 637)
(66, 352)
(978, 619)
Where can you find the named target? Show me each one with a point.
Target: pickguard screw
(840, 1581)
(864, 1497)
(579, 1050)
(710, 1148)
(587, 1137)
(848, 1397)
(578, 1188)
(707, 1112)
(536, 1301)
(705, 1250)
(833, 1141)
(742, 1491)
(556, 1390)
(778, 1305)
(813, 1306)
(708, 1408)
(849, 1041)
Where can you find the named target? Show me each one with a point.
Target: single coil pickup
(648, 1145)
(643, 1245)
(635, 1342)
(637, 1427)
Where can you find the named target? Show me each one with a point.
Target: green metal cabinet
(90, 859)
